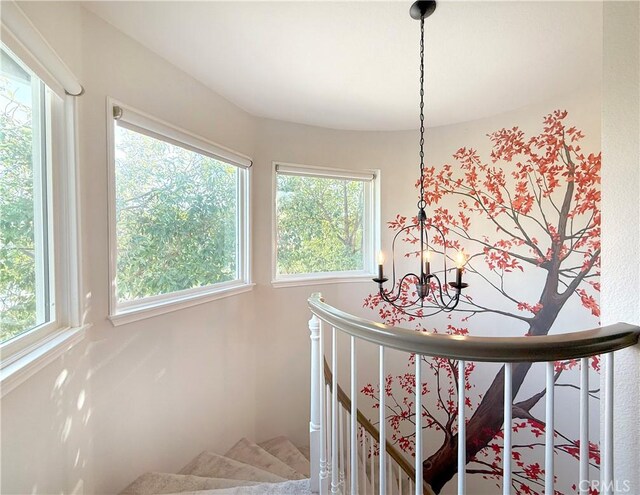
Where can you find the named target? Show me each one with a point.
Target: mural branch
(537, 206)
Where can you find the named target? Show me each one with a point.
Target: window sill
(37, 356)
(151, 309)
(320, 280)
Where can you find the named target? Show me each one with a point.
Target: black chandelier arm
(392, 300)
(420, 225)
(406, 229)
(426, 235)
(419, 302)
(446, 306)
(393, 250)
(419, 311)
(444, 250)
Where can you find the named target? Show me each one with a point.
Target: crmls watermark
(615, 486)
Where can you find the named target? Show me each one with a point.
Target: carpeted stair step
(306, 451)
(160, 483)
(291, 487)
(282, 448)
(251, 453)
(212, 465)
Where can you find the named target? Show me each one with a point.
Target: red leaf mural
(540, 197)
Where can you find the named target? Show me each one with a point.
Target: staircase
(349, 455)
(276, 466)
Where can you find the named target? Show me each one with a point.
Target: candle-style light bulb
(426, 257)
(380, 265)
(460, 261)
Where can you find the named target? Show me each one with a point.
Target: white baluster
(372, 465)
(342, 448)
(462, 430)
(364, 461)
(315, 426)
(323, 414)
(335, 448)
(347, 442)
(382, 426)
(583, 485)
(354, 419)
(367, 461)
(418, 394)
(346, 455)
(508, 398)
(607, 472)
(549, 431)
(329, 438)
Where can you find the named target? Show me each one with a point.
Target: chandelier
(432, 295)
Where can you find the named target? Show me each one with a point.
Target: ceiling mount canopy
(422, 9)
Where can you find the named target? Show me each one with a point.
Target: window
(325, 223)
(26, 296)
(180, 218)
(40, 287)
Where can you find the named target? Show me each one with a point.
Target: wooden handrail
(543, 348)
(394, 453)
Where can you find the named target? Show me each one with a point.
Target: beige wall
(152, 394)
(283, 337)
(621, 222)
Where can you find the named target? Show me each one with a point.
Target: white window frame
(27, 353)
(125, 312)
(371, 225)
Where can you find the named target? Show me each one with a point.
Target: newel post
(315, 431)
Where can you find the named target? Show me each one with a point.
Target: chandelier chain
(421, 200)
(422, 293)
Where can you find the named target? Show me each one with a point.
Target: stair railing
(336, 424)
(400, 472)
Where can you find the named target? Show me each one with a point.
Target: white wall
(620, 300)
(44, 421)
(158, 391)
(283, 341)
(152, 394)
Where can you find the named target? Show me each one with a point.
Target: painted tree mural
(537, 203)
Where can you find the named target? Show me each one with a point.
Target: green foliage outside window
(176, 214)
(17, 245)
(176, 218)
(319, 224)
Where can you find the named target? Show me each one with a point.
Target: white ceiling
(354, 65)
